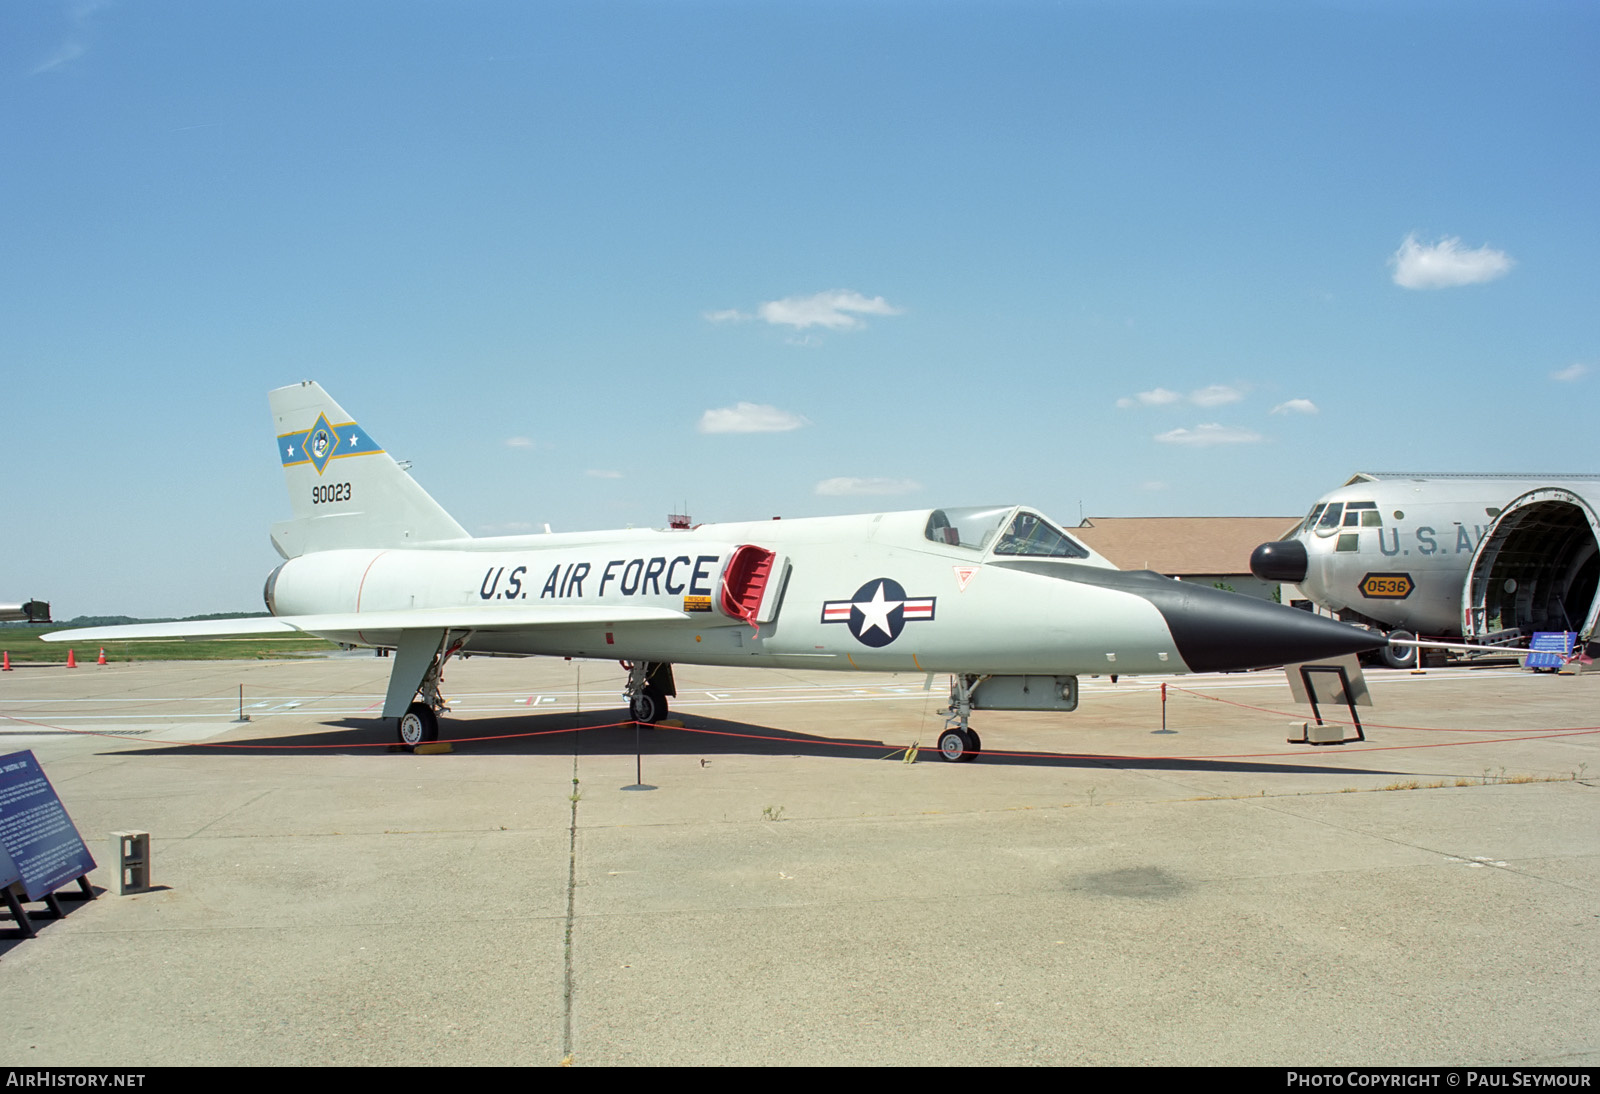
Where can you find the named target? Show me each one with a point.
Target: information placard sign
(36, 834)
(9, 874)
(1549, 649)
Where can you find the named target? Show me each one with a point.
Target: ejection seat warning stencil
(35, 831)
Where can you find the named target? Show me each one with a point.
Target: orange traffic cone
(102, 656)
(7, 667)
(72, 661)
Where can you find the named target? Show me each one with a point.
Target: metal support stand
(638, 762)
(19, 915)
(15, 899)
(1311, 694)
(1163, 728)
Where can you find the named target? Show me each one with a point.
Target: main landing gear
(420, 722)
(959, 743)
(418, 725)
(649, 684)
(1400, 657)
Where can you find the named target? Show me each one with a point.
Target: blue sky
(585, 263)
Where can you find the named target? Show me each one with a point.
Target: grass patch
(26, 647)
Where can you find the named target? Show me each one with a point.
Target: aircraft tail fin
(344, 489)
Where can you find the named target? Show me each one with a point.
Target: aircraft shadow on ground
(598, 733)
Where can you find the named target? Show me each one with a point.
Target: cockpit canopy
(1006, 530)
(1327, 518)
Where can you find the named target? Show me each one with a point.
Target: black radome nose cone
(1225, 632)
(1218, 631)
(1280, 560)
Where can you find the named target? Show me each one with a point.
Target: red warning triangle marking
(964, 575)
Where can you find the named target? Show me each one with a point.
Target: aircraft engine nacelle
(323, 583)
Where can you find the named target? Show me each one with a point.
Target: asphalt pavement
(773, 883)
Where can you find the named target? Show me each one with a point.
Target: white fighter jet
(1491, 558)
(999, 598)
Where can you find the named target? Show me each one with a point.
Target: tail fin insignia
(360, 502)
(323, 442)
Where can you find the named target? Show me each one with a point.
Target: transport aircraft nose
(1280, 560)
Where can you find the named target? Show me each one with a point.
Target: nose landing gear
(959, 743)
(649, 684)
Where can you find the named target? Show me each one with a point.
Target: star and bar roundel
(323, 442)
(878, 612)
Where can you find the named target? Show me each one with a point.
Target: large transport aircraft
(32, 611)
(998, 597)
(1489, 558)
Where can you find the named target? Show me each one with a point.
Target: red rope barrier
(1530, 735)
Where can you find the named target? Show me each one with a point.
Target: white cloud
(1570, 373)
(519, 442)
(1204, 436)
(838, 309)
(1446, 264)
(596, 473)
(749, 418)
(1159, 397)
(1216, 395)
(851, 487)
(1296, 406)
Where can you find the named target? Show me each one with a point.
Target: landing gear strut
(649, 684)
(958, 742)
(420, 723)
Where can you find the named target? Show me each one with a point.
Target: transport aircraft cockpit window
(1306, 525)
(1362, 514)
(1330, 518)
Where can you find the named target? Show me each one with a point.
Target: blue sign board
(9, 874)
(37, 839)
(1549, 649)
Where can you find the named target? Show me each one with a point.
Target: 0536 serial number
(334, 491)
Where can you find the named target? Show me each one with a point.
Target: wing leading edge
(412, 619)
